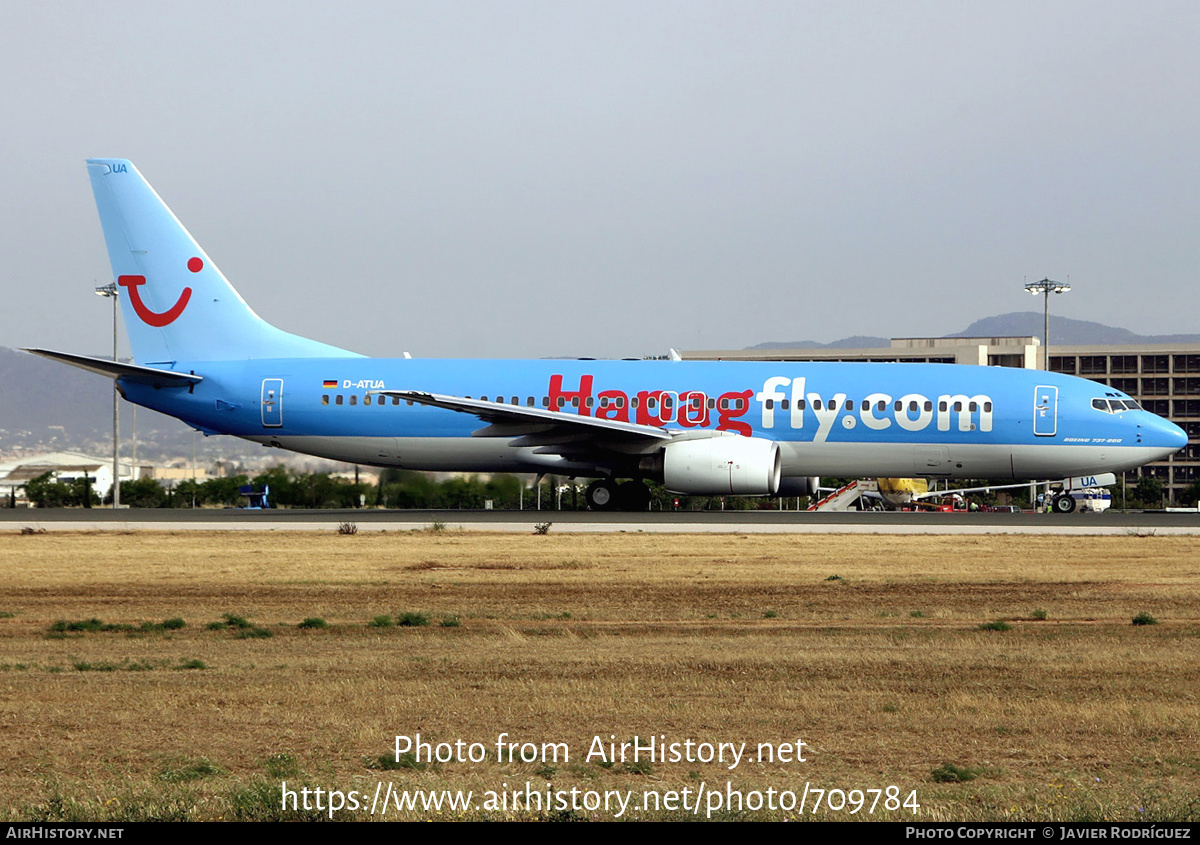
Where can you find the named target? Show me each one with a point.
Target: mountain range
(1063, 331)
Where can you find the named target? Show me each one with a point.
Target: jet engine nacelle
(722, 466)
(804, 485)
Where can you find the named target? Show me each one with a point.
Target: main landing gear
(603, 494)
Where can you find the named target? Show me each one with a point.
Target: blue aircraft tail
(177, 306)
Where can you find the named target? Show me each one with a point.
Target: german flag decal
(329, 384)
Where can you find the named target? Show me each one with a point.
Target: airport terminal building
(1165, 378)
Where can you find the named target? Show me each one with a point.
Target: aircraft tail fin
(176, 304)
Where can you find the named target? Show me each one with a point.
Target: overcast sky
(519, 179)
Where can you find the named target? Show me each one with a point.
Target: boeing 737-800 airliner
(201, 354)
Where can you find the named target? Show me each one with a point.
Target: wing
(556, 432)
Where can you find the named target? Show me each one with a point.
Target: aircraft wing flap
(115, 369)
(517, 420)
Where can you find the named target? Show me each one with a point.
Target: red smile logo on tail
(155, 318)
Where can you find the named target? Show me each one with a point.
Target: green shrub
(950, 773)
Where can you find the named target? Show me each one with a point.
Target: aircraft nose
(1163, 434)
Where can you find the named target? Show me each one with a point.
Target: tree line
(408, 489)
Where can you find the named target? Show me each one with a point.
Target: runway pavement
(687, 522)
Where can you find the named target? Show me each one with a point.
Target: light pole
(111, 291)
(1046, 287)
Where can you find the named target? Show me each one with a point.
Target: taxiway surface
(758, 521)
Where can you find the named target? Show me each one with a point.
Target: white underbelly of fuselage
(929, 460)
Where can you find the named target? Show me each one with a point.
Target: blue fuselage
(835, 419)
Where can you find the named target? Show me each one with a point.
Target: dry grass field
(877, 652)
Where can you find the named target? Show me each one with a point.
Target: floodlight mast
(111, 291)
(1046, 287)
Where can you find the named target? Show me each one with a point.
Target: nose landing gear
(1062, 503)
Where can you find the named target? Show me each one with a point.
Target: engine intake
(722, 466)
(799, 485)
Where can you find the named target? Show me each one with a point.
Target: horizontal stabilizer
(115, 369)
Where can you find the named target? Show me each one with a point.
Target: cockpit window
(1115, 406)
